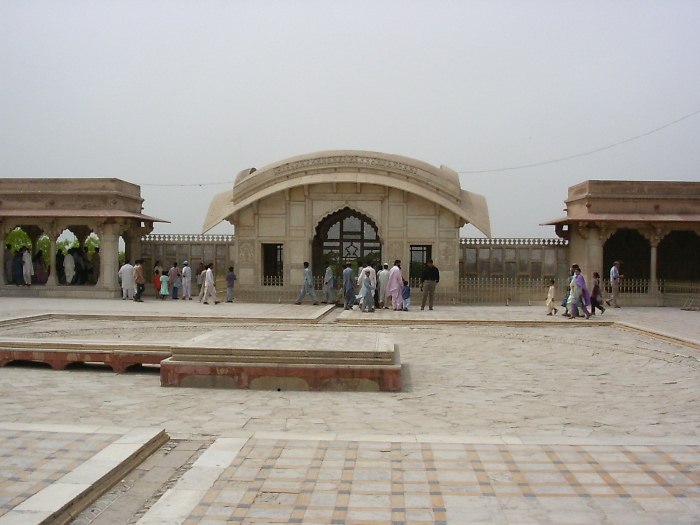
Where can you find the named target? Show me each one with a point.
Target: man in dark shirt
(428, 281)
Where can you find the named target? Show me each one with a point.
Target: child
(230, 277)
(156, 282)
(367, 304)
(550, 299)
(596, 295)
(406, 294)
(164, 292)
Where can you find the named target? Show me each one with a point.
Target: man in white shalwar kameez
(186, 281)
(360, 282)
(395, 286)
(69, 266)
(27, 266)
(328, 289)
(383, 280)
(126, 276)
(209, 288)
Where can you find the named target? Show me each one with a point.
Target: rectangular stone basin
(285, 360)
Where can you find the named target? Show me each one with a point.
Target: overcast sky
(189, 93)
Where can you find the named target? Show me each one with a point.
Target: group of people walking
(579, 297)
(175, 283)
(375, 286)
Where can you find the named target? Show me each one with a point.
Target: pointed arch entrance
(345, 236)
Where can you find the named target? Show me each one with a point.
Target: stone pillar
(5, 230)
(653, 284)
(654, 235)
(109, 256)
(578, 247)
(132, 240)
(52, 233)
(594, 254)
(34, 232)
(447, 261)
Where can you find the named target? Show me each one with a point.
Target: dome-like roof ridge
(391, 160)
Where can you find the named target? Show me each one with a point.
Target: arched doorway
(345, 236)
(632, 249)
(679, 256)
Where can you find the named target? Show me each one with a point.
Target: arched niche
(632, 249)
(679, 256)
(345, 236)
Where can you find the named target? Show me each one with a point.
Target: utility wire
(496, 169)
(585, 153)
(189, 185)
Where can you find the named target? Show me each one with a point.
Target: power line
(562, 159)
(188, 185)
(585, 153)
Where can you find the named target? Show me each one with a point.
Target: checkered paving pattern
(31, 460)
(350, 482)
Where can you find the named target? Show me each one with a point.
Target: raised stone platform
(285, 360)
(60, 354)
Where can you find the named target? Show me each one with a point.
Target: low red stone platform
(294, 360)
(59, 354)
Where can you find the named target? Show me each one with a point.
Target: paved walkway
(373, 482)
(47, 469)
(502, 419)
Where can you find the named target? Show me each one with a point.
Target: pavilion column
(52, 232)
(132, 240)
(654, 235)
(33, 232)
(109, 256)
(5, 229)
(594, 253)
(134, 246)
(586, 248)
(653, 285)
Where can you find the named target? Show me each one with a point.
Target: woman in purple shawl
(579, 296)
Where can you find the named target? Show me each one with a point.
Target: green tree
(18, 238)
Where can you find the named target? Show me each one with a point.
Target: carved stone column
(5, 229)
(653, 284)
(34, 232)
(654, 235)
(132, 239)
(109, 255)
(52, 232)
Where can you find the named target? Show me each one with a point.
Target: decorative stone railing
(480, 241)
(505, 241)
(184, 238)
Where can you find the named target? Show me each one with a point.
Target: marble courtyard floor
(506, 416)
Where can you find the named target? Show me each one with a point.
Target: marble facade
(401, 202)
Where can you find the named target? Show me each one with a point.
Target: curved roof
(440, 185)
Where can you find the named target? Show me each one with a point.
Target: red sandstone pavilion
(652, 226)
(110, 208)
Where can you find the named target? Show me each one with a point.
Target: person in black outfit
(428, 282)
